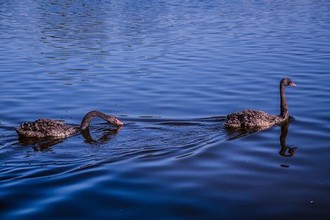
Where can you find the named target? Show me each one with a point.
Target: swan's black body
(43, 128)
(257, 120)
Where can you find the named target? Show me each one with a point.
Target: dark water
(171, 71)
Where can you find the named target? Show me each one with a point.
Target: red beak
(119, 123)
(292, 84)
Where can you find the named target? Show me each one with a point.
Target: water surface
(171, 71)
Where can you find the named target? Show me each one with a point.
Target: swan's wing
(49, 121)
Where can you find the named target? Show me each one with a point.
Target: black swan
(43, 128)
(257, 120)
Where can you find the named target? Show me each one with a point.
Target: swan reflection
(106, 136)
(45, 144)
(285, 151)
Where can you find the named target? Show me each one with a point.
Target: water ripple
(165, 68)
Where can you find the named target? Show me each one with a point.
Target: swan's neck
(89, 116)
(284, 105)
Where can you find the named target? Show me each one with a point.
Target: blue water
(171, 71)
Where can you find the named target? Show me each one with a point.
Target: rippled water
(171, 71)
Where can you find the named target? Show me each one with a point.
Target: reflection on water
(286, 151)
(177, 63)
(103, 139)
(42, 144)
(39, 144)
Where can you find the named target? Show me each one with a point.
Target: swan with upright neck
(43, 128)
(258, 120)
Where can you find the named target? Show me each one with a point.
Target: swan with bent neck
(43, 128)
(259, 120)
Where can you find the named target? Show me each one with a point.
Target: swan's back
(251, 119)
(42, 128)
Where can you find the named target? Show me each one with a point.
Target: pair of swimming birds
(245, 120)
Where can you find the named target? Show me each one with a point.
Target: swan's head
(115, 121)
(287, 82)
